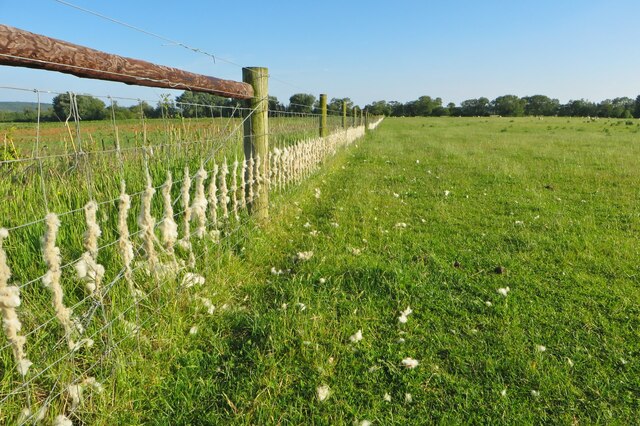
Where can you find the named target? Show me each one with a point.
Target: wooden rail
(24, 49)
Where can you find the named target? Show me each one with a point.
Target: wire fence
(107, 223)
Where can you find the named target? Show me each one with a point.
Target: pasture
(515, 243)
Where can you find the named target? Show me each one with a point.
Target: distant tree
(89, 108)
(578, 108)
(379, 108)
(119, 112)
(475, 107)
(142, 108)
(540, 105)
(440, 111)
(397, 108)
(335, 105)
(275, 105)
(301, 102)
(508, 106)
(622, 107)
(425, 105)
(166, 108)
(605, 108)
(454, 111)
(194, 104)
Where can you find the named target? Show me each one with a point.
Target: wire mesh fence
(108, 222)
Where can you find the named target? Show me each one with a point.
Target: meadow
(439, 270)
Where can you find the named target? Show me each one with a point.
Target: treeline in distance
(193, 105)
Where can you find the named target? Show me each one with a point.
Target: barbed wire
(169, 40)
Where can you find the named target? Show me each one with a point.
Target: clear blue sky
(365, 50)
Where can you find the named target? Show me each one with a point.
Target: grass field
(423, 213)
(554, 202)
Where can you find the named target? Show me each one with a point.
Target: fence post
(344, 114)
(324, 131)
(256, 137)
(366, 121)
(353, 116)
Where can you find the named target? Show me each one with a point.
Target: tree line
(509, 106)
(188, 105)
(193, 105)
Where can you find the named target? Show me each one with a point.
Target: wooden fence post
(366, 121)
(256, 137)
(344, 114)
(324, 131)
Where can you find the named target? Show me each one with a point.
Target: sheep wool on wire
(62, 420)
(266, 175)
(88, 269)
(186, 206)
(234, 190)
(124, 241)
(76, 391)
(249, 193)
(298, 161)
(213, 196)
(224, 192)
(284, 168)
(199, 206)
(243, 185)
(147, 223)
(9, 301)
(258, 176)
(51, 280)
(185, 242)
(168, 227)
(275, 171)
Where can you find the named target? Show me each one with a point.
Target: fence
(116, 219)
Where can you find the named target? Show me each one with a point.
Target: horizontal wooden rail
(24, 49)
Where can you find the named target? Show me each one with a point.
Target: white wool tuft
(147, 222)
(504, 291)
(88, 269)
(207, 304)
(250, 180)
(199, 206)
(243, 185)
(323, 392)
(186, 206)
(410, 362)
(75, 394)
(9, 301)
(224, 191)
(304, 255)
(124, 243)
(356, 337)
(51, 279)
(62, 420)
(190, 279)
(168, 227)
(234, 190)
(213, 196)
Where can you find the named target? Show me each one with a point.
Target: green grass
(553, 201)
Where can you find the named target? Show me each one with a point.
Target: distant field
(441, 215)
(21, 106)
(93, 136)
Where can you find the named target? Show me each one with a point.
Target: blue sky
(365, 50)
